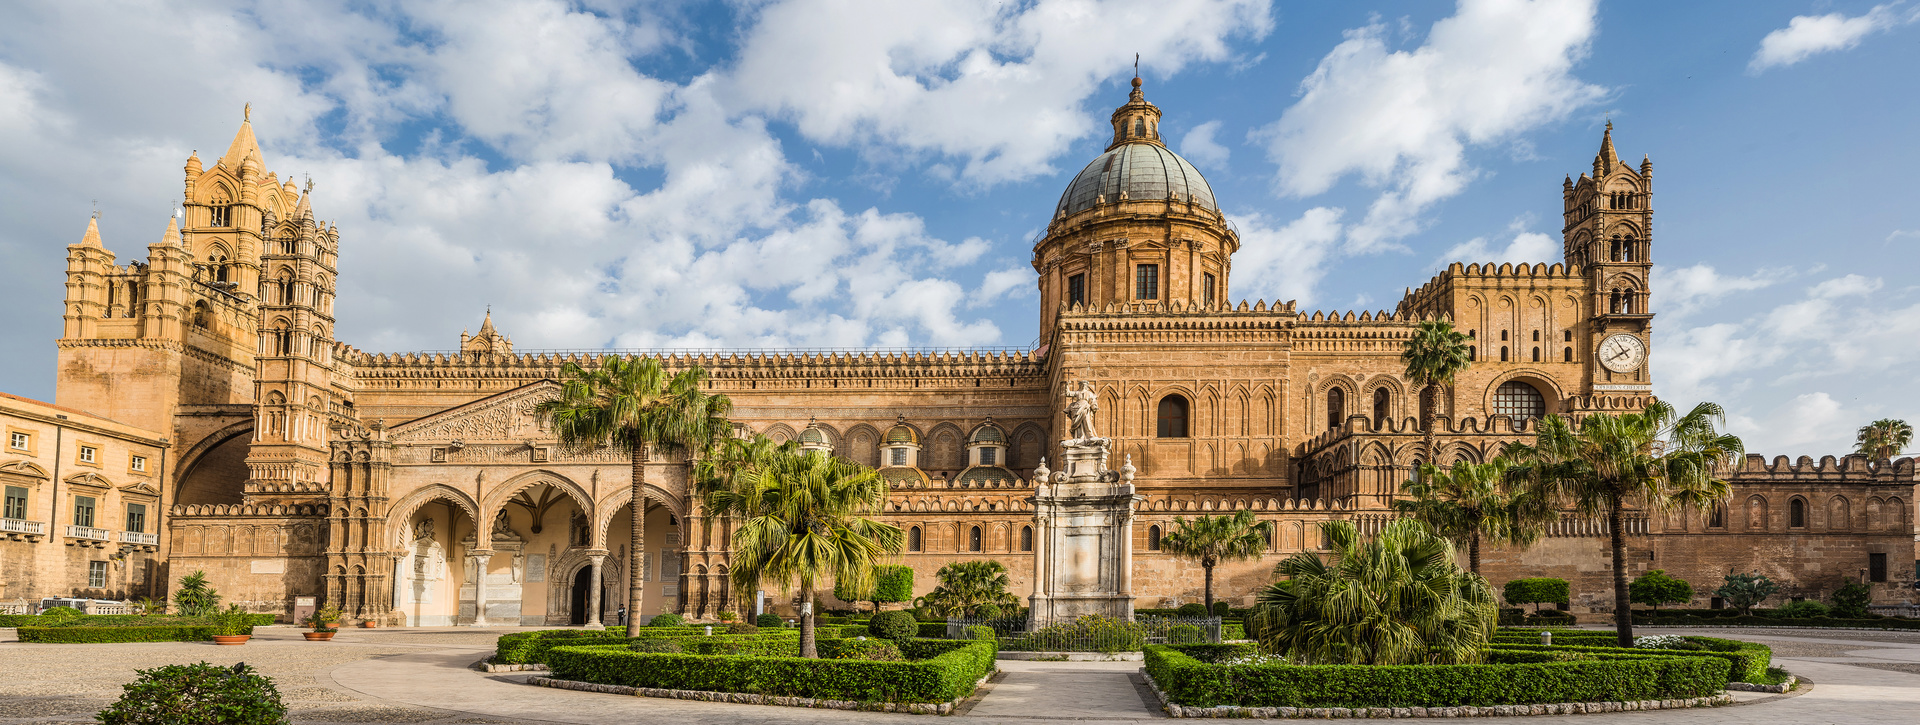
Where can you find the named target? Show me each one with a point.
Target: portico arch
(499, 497)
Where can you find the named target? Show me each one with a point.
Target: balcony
(88, 536)
(17, 529)
(148, 542)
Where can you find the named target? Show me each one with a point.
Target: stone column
(480, 559)
(593, 595)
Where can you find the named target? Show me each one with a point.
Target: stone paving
(424, 676)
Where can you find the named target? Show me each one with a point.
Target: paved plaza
(425, 676)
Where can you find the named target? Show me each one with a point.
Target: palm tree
(1397, 598)
(1470, 504)
(1652, 458)
(967, 586)
(1434, 355)
(631, 405)
(1884, 438)
(805, 516)
(1214, 539)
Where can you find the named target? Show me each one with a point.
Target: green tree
(1744, 591)
(1470, 504)
(196, 598)
(967, 586)
(1884, 438)
(805, 517)
(1397, 598)
(1537, 591)
(889, 584)
(1434, 356)
(1851, 601)
(1655, 588)
(634, 405)
(1652, 458)
(1211, 540)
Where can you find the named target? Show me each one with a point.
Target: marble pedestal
(1083, 538)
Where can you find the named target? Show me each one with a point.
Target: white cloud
(1526, 246)
(1278, 263)
(1402, 119)
(999, 88)
(1903, 234)
(1003, 283)
(1200, 148)
(1682, 291)
(1852, 285)
(1809, 35)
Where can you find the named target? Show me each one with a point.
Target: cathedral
(209, 417)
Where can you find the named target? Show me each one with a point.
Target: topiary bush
(200, 694)
(769, 620)
(878, 650)
(60, 612)
(741, 628)
(1537, 590)
(1655, 588)
(1850, 601)
(667, 620)
(894, 625)
(1191, 609)
(655, 645)
(1802, 610)
(1222, 609)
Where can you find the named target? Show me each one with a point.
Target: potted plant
(322, 623)
(232, 626)
(369, 623)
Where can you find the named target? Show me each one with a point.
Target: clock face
(1622, 353)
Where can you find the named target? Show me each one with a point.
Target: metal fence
(1091, 633)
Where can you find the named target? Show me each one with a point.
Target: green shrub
(896, 625)
(1744, 659)
(1739, 620)
(656, 644)
(769, 620)
(741, 628)
(878, 650)
(200, 694)
(1537, 590)
(194, 597)
(1850, 601)
(1232, 630)
(98, 635)
(936, 671)
(667, 620)
(751, 645)
(1185, 634)
(118, 620)
(1743, 591)
(1550, 618)
(1512, 616)
(61, 612)
(981, 632)
(1191, 609)
(988, 611)
(1802, 610)
(234, 622)
(1189, 680)
(1222, 609)
(934, 630)
(1655, 588)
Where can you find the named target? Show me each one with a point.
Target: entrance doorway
(582, 584)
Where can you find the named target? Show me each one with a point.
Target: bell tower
(1608, 236)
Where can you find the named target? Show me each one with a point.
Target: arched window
(1616, 248)
(1536, 354)
(1626, 249)
(1153, 538)
(1797, 513)
(973, 539)
(1518, 400)
(1473, 352)
(1380, 401)
(1139, 126)
(1503, 353)
(200, 313)
(1026, 538)
(913, 539)
(1336, 407)
(1566, 355)
(1173, 417)
(1717, 517)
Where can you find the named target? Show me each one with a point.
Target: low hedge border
(1745, 660)
(101, 635)
(938, 671)
(1617, 677)
(1889, 624)
(914, 708)
(522, 648)
(116, 620)
(1322, 713)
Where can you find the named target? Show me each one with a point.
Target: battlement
(722, 364)
(1855, 468)
(1178, 307)
(1359, 425)
(247, 509)
(1488, 273)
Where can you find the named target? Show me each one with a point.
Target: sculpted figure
(1081, 405)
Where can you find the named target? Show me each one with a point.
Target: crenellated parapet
(248, 510)
(1437, 295)
(1856, 468)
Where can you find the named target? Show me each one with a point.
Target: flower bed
(96, 635)
(935, 671)
(1189, 676)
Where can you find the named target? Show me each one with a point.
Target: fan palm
(1654, 458)
(1434, 356)
(967, 586)
(1884, 438)
(1397, 598)
(804, 517)
(1470, 504)
(1214, 539)
(633, 405)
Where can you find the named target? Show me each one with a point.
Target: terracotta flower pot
(317, 636)
(231, 638)
(369, 624)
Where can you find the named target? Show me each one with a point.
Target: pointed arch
(1029, 444)
(780, 433)
(945, 448)
(504, 492)
(861, 444)
(608, 507)
(402, 511)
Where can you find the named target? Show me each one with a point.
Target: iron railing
(1090, 634)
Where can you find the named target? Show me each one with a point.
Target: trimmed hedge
(1738, 620)
(1193, 682)
(934, 630)
(97, 635)
(937, 671)
(1745, 660)
(116, 620)
(522, 648)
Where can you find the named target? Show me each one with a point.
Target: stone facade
(421, 488)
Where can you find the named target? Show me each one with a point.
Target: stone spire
(92, 237)
(244, 144)
(172, 237)
(1604, 161)
(488, 340)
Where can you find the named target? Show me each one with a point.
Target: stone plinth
(1083, 542)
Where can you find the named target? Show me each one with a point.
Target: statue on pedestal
(1082, 403)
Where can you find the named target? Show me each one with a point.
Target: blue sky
(818, 173)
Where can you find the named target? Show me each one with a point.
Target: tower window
(1380, 406)
(1153, 538)
(1077, 289)
(973, 539)
(1566, 355)
(1797, 513)
(1473, 353)
(1336, 407)
(220, 216)
(1503, 335)
(1026, 538)
(1519, 401)
(1536, 354)
(1566, 335)
(1146, 282)
(1139, 126)
(1206, 287)
(913, 539)
(1626, 250)
(1173, 417)
(1503, 353)
(1536, 335)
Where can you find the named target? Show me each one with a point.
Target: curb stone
(1750, 687)
(1323, 713)
(748, 698)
